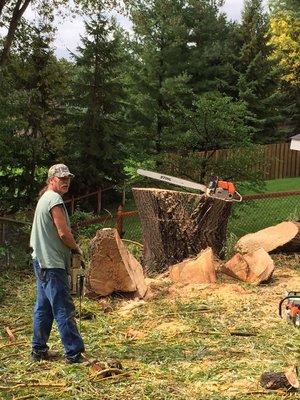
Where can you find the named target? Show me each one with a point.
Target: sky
(69, 31)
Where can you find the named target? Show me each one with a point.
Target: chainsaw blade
(172, 180)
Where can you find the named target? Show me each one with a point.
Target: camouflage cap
(59, 170)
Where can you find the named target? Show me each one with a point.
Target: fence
(98, 195)
(281, 161)
(255, 212)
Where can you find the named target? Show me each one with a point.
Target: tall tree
(258, 75)
(285, 40)
(32, 134)
(95, 128)
(159, 60)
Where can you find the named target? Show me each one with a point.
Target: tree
(258, 75)
(12, 11)
(159, 56)
(95, 129)
(285, 41)
(213, 122)
(31, 134)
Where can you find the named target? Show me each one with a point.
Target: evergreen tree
(31, 134)
(258, 75)
(159, 59)
(210, 53)
(96, 130)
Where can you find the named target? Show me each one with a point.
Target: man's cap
(59, 170)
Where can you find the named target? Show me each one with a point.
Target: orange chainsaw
(292, 307)
(217, 189)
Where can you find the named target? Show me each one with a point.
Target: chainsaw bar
(172, 180)
(217, 189)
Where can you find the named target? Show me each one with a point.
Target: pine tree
(31, 132)
(258, 75)
(96, 122)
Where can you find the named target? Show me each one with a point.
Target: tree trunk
(283, 237)
(18, 11)
(177, 225)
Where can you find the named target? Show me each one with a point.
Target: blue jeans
(54, 302)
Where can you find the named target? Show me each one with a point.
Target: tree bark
(18, 11)
(177, 225)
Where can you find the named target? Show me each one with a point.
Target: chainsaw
(292, 307)
(217, 189)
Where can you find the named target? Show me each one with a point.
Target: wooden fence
(279, 161)
(282, 162)
(97, 194)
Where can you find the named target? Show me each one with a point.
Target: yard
(206, 342)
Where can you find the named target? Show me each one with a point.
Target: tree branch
(18, 11)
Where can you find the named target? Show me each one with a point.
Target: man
(52, 243)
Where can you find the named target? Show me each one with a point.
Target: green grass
(185, 349)
(278, 185)
(283, 185)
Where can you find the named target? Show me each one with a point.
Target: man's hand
(78, 260)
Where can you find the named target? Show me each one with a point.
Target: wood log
(255, 267)
(177, 225)
(201, 269)
(283, 237)
(112, 268)
(280, 380)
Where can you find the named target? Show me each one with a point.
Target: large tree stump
(177, 225)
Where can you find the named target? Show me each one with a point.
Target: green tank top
(48, 248)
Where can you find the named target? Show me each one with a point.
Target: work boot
(80, 359)
(48, 355)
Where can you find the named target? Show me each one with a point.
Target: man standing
(52, 243)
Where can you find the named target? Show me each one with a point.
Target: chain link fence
(252, 214)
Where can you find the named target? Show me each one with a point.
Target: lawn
(183, 343)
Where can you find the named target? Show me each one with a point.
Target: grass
(177, 345)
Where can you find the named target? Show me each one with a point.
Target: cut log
(280, 380)
(177, 225)
(198, 270)
(283, 237)
(112, 267)
(255, 267)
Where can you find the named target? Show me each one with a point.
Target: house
(295, 142)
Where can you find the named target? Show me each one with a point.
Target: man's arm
(63, 230)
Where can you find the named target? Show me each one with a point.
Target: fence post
(120, 220)
(99, 201)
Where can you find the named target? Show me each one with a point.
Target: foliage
(258, 80)
(30, 117)
(285, 38)
(95, 128)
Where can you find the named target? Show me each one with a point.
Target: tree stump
(280, 380)
(177, 225)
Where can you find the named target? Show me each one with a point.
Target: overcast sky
(68, 33)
